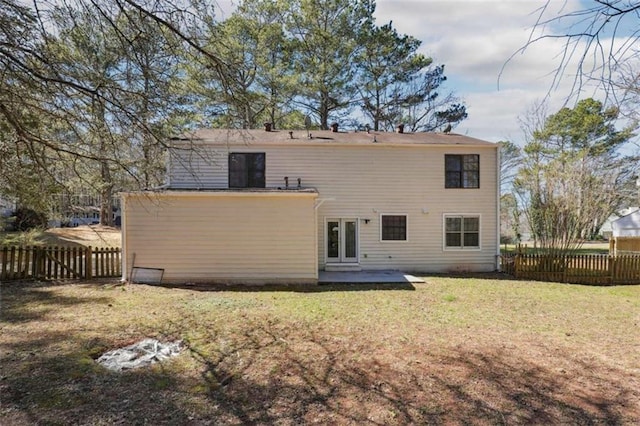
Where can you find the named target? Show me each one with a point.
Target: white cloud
(477, 41)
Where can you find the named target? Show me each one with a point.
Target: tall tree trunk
(106, 195)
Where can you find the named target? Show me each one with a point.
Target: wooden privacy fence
(624, 245)
(598, 269)
(51, 263)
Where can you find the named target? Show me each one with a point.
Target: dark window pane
(394, 228)
(471, 162)
(237, 171)
(471, 180)
(453, 171)
(453, 163)
(462, 171)
(256, 171)
(471, 239)
(453, 180)
(453, 239)
(350, 239)
(246, 170)
(454, 224)
(333, 239)
(471, 224)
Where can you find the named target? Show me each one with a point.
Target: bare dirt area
(85, 235)
(454, 350)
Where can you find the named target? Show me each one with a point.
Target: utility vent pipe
(400, 128)
(267, 127)
(334, 127)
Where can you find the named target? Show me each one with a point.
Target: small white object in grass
(140, 354)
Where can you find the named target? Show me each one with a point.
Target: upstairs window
(462, 171)
(246, 170)
(462, 232)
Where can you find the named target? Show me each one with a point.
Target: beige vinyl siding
(197, 167)
(222, 236)
(365, 181)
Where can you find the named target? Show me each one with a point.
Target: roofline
(224, 192)
(253, 137)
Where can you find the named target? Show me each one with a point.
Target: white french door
(342, 241)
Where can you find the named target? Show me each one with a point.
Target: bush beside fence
(52, 263)
(578, 269)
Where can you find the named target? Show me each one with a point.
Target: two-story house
(258, 206)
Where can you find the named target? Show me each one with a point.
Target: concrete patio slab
(371, 277)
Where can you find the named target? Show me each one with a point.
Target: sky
(478, 41)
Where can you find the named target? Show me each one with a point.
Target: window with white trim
(393, 227)
(462, 231)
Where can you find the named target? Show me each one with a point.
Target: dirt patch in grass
(478, 351)
(86, 235)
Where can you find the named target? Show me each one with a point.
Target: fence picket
(58, 262)
(581, 269)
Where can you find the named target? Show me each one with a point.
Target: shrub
(26, 219)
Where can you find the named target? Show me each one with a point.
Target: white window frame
(358, 237)
(406, 216)
(461, 215)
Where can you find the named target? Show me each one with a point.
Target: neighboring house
(71, 210)
(607, 228)
(7, 207)
(626, 234)
(258, 206)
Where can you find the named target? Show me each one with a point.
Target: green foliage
(399, 85)
(510, 158)
(27, 219)
(575, 174)
(91, 91)
(510, 219)
(322, 57)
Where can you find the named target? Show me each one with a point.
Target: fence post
(88, 259)
(516, 265)
(612, 269)
(36, 265)
(3, 260)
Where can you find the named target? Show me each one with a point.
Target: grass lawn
(454, 350)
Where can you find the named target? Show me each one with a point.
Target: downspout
(321, 202)
(497, 268)
(123, 237)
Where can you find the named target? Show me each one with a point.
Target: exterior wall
(222, 236)
(364, 182)
(627, 226)
(624, 245)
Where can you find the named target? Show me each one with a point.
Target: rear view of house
(256, 206)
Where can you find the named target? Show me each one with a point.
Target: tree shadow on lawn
(24, 301)
(313, 380)
(273, 373)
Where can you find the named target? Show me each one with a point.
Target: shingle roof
(322, 137)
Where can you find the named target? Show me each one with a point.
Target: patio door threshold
(342, 267)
